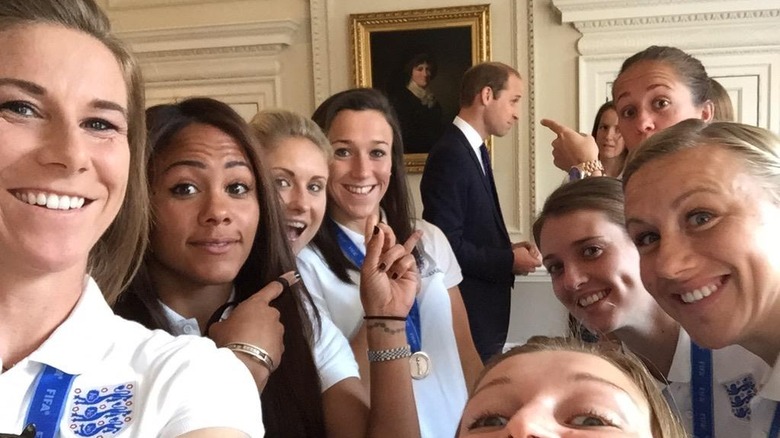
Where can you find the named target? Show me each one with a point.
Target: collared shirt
(331, 351)
(735, 373)
(164, 386)
(473, 137)
(766, 402)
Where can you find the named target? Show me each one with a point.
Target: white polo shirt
(133, 381)
(440, 397)
(332, 353)
(766, 402)
(736, 373)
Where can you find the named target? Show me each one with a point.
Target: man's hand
(526, 258)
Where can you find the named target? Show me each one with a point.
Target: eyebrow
(503, 380)
(352, 143)
(577, 242)
(291, 173)
(201, 165)
(38, 90)
(676, 203)
(587, 377)
(651, 87)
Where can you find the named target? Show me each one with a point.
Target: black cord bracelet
(391, 318)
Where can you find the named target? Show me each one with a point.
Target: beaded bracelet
(254, 352)
(391, 354)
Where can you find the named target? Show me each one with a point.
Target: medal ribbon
(48, 402)
(356, 256)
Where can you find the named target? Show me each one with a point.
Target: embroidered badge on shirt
(741, 390)
(101, 412)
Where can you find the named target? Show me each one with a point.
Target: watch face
(575, 174)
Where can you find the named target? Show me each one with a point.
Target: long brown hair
(395, 203)
(291, 400)
(117, 254)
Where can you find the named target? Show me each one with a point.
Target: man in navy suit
(459, 196)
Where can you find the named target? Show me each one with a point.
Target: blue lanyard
(701, 392)
(774, 431)
(48, 401)
(413, 330)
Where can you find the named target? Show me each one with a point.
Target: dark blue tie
(486, 164)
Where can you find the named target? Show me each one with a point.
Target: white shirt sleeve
(333, 355)
(213, 389)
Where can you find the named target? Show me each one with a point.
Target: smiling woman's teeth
(359, 190)
(698, 294)
(51, 201)
(590, 299)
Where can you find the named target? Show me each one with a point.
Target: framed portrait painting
(417, 57)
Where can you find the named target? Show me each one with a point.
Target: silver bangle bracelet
(254, 352)
(391, 354)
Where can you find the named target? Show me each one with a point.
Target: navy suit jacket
(458, 198)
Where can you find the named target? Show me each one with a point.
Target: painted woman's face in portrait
(556, 393)
(708, 240)
(421, 75)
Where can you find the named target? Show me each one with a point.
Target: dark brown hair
(487, 74)
(721, 101)
(395, 203)
(689, 70)
(291, 400)
(603, 194)
(117, 254)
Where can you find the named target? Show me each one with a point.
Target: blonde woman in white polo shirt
(71, 148)
(594, 267)
(702, 208)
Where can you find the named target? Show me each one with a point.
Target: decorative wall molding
(235, 63)
(583, 11)
(531, 113)
(611, 26)
(269, 37)
(318, 11)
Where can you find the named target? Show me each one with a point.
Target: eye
(98, 125)
(341, 153)
(184, 189)
(488, 420)
(315, 187)
(378, 153)
(699, 218)
(661, 103)
(627, 112)
(592, 251)
(282, 183)
(645, 239)
(20, 108)
(554, 268)
(237, 189)
(591, 419)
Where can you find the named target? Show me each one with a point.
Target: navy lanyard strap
(701, 392)
(774, 431)
(413, 329)
(48, 402)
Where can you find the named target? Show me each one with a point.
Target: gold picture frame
(380, 42)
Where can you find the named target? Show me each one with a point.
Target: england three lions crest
(102, 412)
(741, 390)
